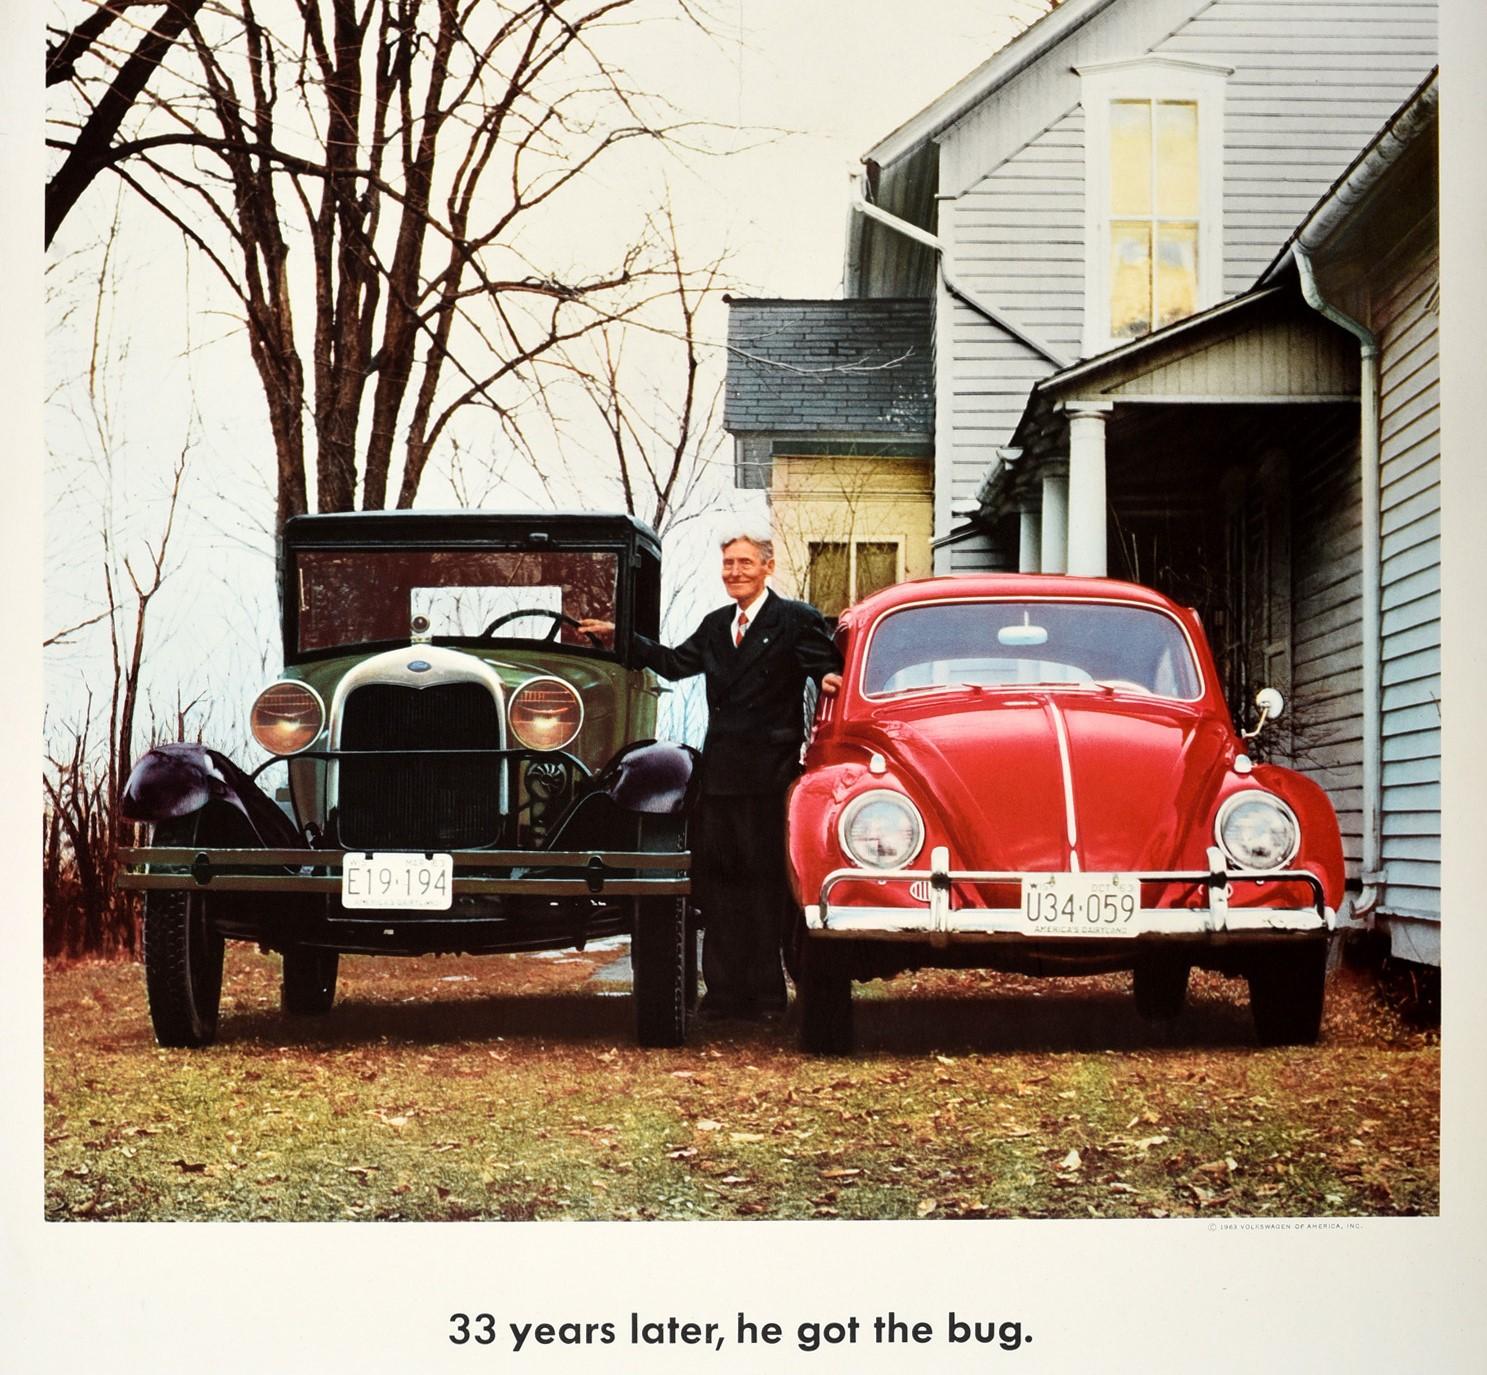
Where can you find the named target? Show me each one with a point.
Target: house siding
(1310, 86)
(1405, 321)
(1327, 618)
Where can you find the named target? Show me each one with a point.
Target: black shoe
(714, 1009)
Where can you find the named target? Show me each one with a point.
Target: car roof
(1050, 586)
(414, 527)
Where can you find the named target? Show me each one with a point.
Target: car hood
(1021, 781)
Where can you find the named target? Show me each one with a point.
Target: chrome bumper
(942, 922)
(608, 873)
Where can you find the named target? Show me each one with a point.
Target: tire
(691, 972)
(1161, 987)
(658, 963)
(824, 993)
(183, 966)
(309, 986)
(1286, 992)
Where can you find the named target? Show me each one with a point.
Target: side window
(1153, 196)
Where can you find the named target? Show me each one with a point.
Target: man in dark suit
(757, 656)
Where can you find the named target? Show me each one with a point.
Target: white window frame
(1154, 79)
(852, 541)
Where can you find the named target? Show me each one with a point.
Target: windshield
(363, 596)
(1018, 644)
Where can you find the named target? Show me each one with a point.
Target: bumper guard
(942, 923)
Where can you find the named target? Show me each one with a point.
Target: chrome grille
(412, 799)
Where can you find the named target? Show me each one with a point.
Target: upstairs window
(1153, 198)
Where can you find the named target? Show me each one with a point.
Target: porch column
(1054, 536)
(1087, 487)
(1030, 540)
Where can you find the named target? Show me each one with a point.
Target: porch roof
(1263, 348)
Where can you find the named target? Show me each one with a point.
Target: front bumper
(477, 873)
(942, 923)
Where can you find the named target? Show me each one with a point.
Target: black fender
(651, 776)
(179, 779)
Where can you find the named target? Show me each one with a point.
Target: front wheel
(823, 990)
(1286, 991)
(309, 986)
(658, 963)
(183, 967)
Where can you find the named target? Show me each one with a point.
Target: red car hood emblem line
(1045, 782)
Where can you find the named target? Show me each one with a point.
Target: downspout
(1371, 561)
(862, 206)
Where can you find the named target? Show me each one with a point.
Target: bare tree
(81, 823)
(89, 151)
(658, 412)
(401, 165)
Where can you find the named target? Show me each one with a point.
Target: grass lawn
(507, 1087)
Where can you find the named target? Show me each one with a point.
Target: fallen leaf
(746, 1136)
(682, 1153)
(926, 1207)
(839, 1174)
(1071, 1161)
(707, 1125)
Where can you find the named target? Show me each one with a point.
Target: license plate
(1080, 904)
(421, 882)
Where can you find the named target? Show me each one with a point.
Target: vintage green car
(456, 768)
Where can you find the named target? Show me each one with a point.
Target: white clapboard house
(1180, 269)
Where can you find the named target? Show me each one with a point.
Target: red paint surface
(984, 768)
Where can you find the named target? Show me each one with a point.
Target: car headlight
(1257, 831)
(881, 829)
(545, 713)
(286, 717)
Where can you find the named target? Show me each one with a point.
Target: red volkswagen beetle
(1040, 774)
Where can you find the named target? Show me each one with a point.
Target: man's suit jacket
(755, 691)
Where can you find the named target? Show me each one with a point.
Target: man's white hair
(756, 534)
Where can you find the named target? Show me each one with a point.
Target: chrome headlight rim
(862, 801)
(1243, 798)
(538, 681)
(299, 685)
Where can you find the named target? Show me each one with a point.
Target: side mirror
(1271, 704)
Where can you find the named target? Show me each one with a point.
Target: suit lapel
(758, 635)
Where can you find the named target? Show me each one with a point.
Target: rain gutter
(860, 205)
(1371, 561)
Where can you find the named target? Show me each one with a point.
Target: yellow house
(831, 409)
(847, 525)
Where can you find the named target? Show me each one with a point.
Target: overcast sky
(812, 84)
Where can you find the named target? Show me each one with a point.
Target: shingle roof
(861, 367)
